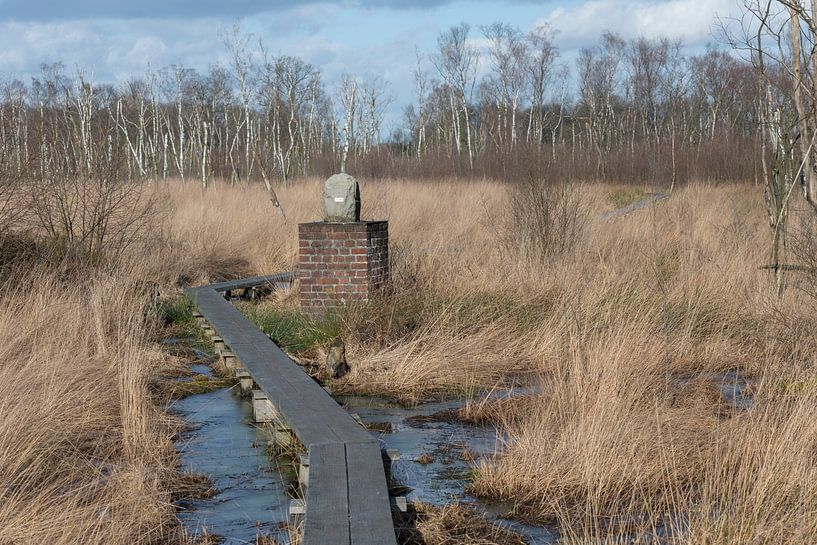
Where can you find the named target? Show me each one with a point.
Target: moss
(487, 307)
(203, 343)
(458, 474)
(800, 387)
(179, 310)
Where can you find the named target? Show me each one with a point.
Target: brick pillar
(341, 263)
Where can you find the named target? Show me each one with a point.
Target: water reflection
(224, 444)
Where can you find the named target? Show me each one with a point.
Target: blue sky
(116, 39)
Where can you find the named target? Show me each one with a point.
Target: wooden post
(245, 382)
(389, 457)
(399, 503)
(297, 506)
(262, 408)
(230, 361)
(303, 470)
(282, 437)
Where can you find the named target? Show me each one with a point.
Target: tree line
(640, 110)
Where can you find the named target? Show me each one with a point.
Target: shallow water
(190, 342)
(252, 499)
(733, 386)
(435, 464)
(224, 444)
(443, 476)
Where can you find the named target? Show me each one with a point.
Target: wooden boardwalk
(638, 205)
(347, 499)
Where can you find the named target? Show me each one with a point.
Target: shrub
(91, 219)
(544, 221)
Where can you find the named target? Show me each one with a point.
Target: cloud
(689, 20)
(55, 10)
(114, 40)
(113, 50)
(110, 50)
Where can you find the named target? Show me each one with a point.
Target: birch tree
(457, 62)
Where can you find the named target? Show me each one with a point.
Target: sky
(114, 40)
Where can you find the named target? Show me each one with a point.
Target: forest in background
(489, 102)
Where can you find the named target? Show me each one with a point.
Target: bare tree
(348, 102)
(457, 62)
(509, 56)
(785, 111)
(421, 94)
(599, 88)
(243, 66)
(270, 118)
(542, 55)
(802, 28)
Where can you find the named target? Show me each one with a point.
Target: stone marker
(341, 199)
(341, 260)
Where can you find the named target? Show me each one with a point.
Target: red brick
(341, 262)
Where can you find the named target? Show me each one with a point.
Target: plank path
(347, 499)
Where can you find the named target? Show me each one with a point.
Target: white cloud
(109, 49)
(690, 20)
(336, 38)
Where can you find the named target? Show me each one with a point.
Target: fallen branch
(784, 267)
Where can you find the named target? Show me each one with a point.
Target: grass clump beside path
(625, 196)
(289, 328)
(453, 525)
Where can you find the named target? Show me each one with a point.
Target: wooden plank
(231, 325)
(308, 419)
(306, 405)
(370, 521)
(643, 203)
(311, 412)
(347, 496)
(327, 516)
(252, 282)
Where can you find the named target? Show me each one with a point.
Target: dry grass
(630, 437)
(86, 447)
(85, 457)
(623, 337)
(456, 525)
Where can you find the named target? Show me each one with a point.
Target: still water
(225, 445)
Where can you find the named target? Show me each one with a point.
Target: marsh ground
(622, 330)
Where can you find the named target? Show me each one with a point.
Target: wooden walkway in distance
(638, 205)
(347, 501)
